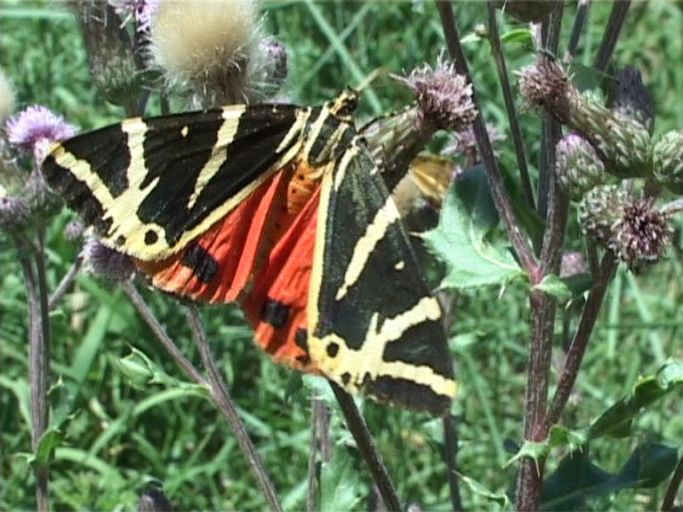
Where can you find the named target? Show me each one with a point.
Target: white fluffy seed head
(6, 97)
(206, 43)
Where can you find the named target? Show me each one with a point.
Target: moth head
(345, 104)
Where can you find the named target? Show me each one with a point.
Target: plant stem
(495, 178)
(494, 38)
(450, 434)
(320, 419)
(580, 341)
(612, 31)
(226, 406)
(577, 27)
(33, 267)
(366, 446)
(160, 333)
(672, 490)
(65, 283)
(554, 206)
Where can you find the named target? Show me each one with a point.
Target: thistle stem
(672, 490)
(33, 266)
(609, 39)
(368, 449)
(500, 196)
(226, 406)
(65, 283)
(172, 349)
(580, 341)
(494, 38)
(450, 434)
(554, 205)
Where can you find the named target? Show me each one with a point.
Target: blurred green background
(119, 438)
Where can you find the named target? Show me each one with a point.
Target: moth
(281, 209)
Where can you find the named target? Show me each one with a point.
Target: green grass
(118, 438)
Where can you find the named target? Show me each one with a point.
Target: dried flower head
(208, 46)
(545, 85)
(36, 128)
(579, 167)
(102, 260)
(444, 98)
(641, 234)
(6, 96)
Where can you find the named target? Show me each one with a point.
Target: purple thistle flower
(36, 128)
(444, 98)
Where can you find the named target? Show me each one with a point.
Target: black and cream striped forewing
(149, 186)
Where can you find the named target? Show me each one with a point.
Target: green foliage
(462, 238)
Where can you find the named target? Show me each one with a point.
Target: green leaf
(518, 36)
(477, 488)
(142, 371)
(616, 420)
(558, 437)
(577, 479)
(553, 285)
(340, 483)
(47, 445)
(570, 485)
(461, 238)
(649, 465)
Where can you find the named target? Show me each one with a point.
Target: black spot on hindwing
(203, 265)
(275, 313)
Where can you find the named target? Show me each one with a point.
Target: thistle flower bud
(6, 97)
(100, 259)
(207, 46)
(444, 98)
(526, 11)
(464, 143)
(41, 200)
(578, 166)
(74, 230)
(111, 58)
(621, 141)
(14, 214)
(630, 97)
(600, 209)
(573, 263)
(668, 161)
(641, 234)
(36, 128)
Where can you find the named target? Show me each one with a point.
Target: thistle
(35, 129)
(622, 142)
(668, 161)
(100, 259)
(634, 229)
(213, 49)
(578, 166)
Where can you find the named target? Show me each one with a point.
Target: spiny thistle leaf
(461, 238)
